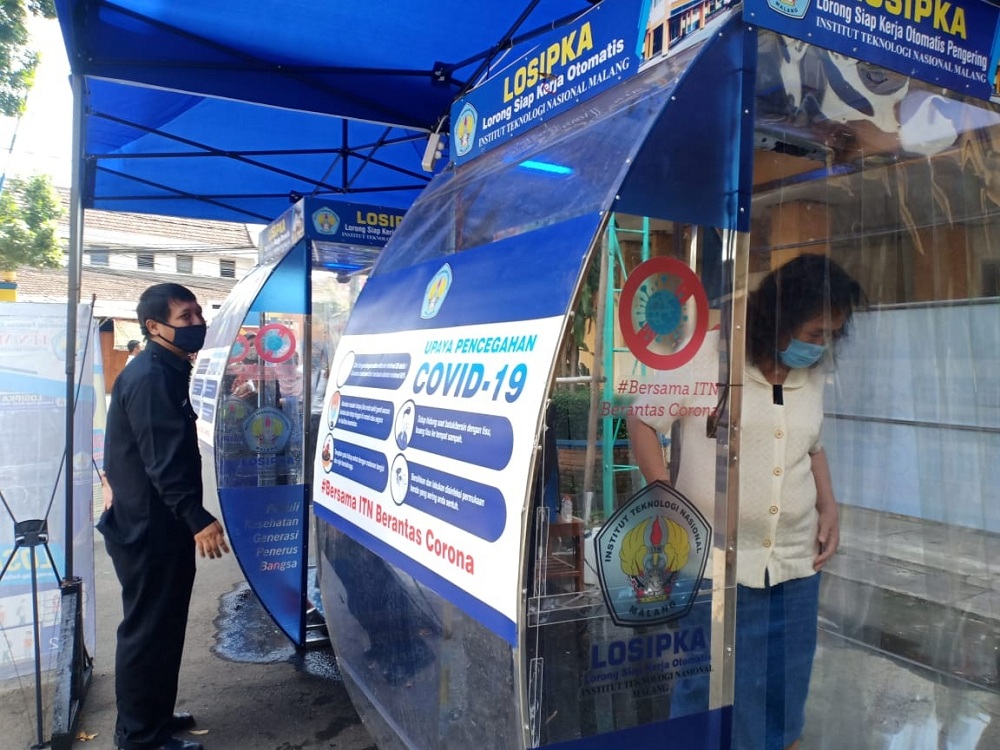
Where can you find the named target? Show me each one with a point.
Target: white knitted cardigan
(778, 520)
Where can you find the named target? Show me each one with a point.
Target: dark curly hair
(797, 292)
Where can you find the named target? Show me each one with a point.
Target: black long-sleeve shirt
(151, 455)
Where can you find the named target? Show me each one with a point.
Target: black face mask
(188, 339)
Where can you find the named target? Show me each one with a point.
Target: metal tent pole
(72, 305)
(74, 669)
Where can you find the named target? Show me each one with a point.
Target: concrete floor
(860, 699)
(250, 690)
(270, 699)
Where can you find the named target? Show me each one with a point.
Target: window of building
(145, 261)
(185, 264)
(98, 257)
(657, 40)
(227, 268)
(991, 278)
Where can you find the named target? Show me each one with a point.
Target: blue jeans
(775, 645)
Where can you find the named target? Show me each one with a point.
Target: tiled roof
(118, 290)
(110, 285)
(113, 227)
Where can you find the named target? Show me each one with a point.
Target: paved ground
(908, 656)
(909, 639)
(272, 699)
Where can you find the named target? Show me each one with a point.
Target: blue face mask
(800, 354)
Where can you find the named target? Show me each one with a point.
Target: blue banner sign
(365, 416)
(549, 75)
(478, 508)
(325, 220)
(480, 439)
(950, 43)
(356, 462)
(282, 233)
(268, 535)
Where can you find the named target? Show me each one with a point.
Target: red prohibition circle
(640, 336)
(240, 348)
(266, 334)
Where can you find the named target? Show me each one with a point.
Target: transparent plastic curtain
(894, 180)
(596, 551)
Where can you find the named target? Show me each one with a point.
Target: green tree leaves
(17, 62)
(28, 213)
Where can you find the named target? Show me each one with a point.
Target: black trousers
(156, 594)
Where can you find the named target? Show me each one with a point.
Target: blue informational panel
(952, 43)
(267, 529)
(551, 74)
(326, 220)
(431, 413)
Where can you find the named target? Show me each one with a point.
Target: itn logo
(436, 291)
(790, 8)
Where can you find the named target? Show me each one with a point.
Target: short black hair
(131, 345)
(154, 303)
(804, 288)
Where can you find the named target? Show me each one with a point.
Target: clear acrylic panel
(627, 576)
(333, 296)
(895, 180)
(259, 436)
(566, 167)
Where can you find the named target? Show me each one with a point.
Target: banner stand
(30, 535)
(75, 668)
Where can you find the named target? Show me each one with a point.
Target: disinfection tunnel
(256, 387)
(573, 479)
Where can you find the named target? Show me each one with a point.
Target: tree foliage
(28, 213)
(17, 62)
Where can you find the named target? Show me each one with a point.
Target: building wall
(206, 264)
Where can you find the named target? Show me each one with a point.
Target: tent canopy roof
(227, 110)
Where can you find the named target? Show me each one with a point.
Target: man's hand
(106, 492)
(211, 541)
(244, 389)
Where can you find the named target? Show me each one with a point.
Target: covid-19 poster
(432, 410)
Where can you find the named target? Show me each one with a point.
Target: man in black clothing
(154, 519)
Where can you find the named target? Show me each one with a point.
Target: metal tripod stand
(31, 535)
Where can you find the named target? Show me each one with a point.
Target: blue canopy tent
(159, 127)
(164, 152)
(230, 111)
(165, 87)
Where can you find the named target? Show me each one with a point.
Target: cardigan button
(777, 471)
(767, 542)
(773, 509)
(779, 433)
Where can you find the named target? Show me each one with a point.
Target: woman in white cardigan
(788, 525)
